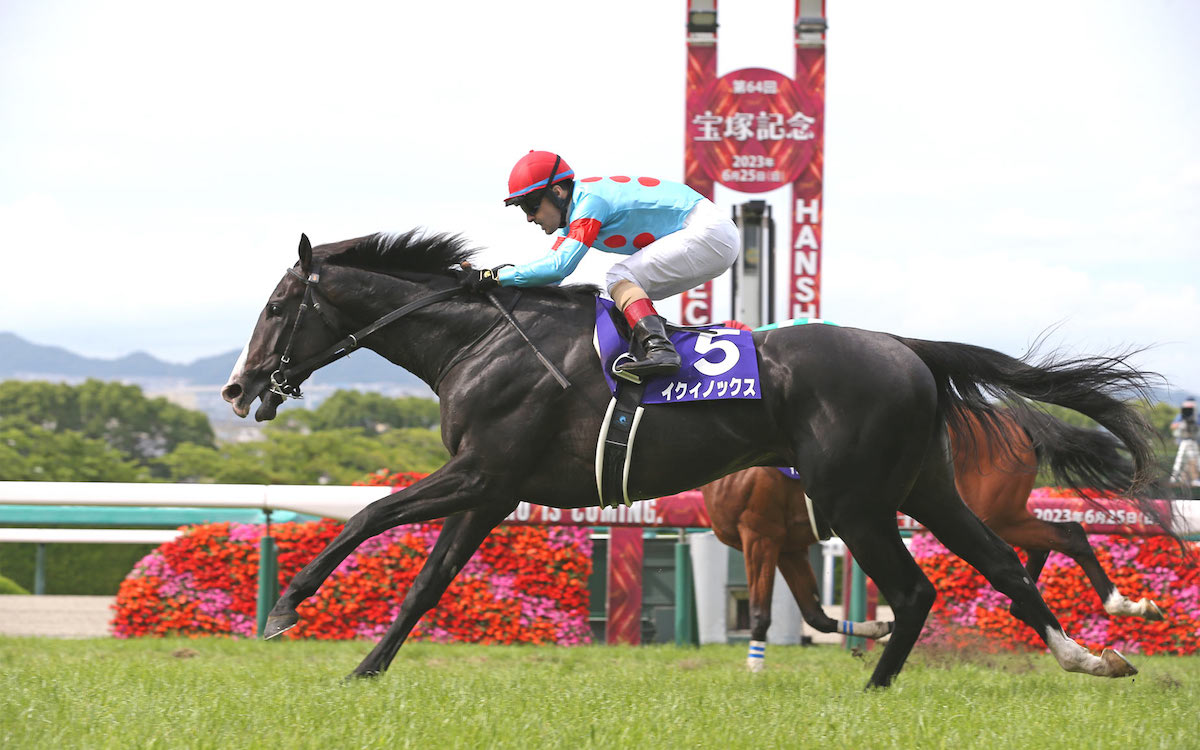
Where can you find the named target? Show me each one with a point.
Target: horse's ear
(305, 253)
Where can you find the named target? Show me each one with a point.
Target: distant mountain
(23, 359)
(365, 370)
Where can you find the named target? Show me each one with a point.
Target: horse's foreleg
(1070, 538)
(449, 490)
(798, 573)
(460, 537)
(761, 553)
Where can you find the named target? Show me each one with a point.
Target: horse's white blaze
(240, 365)
(1118, 605)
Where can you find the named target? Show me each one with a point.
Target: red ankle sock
(639, 309)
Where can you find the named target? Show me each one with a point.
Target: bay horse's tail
(1082, 459)
(971, 380)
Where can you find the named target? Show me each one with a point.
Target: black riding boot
(660, 358)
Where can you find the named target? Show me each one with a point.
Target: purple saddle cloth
(718, 363)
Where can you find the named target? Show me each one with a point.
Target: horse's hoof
(1152, 611)
(277, 624)
(755, 665)
(1115, 664)
(355, 676)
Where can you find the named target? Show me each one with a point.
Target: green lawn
(244, 694)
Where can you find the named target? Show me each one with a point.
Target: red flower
(507, 594)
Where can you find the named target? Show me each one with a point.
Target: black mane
(413, 251)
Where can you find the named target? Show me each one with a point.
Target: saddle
(718, 363)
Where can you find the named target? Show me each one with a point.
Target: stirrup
(625, 374)
(649, 369)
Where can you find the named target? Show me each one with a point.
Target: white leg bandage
(757, 654)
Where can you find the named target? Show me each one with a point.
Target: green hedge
(73, 569)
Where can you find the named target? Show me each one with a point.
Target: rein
(281, 384)
(562, 379)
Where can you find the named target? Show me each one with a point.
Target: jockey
(673, 239)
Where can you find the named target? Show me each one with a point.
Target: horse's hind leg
(1038, 536)
(798, 572)
(939, 508)
(879, 550)
(461, 535)
(761, 553)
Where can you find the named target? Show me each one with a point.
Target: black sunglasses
(531, 203)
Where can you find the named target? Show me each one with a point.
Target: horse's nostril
(231, 391)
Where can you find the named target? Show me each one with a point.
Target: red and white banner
(755, 130)
(685, 510)
(804, 289)
(1118, 516)
(696, 305)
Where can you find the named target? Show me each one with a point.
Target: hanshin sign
(755, 130)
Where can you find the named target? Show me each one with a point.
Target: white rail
(338, 502)
(88, 536)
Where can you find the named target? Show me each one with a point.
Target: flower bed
(969, 612)
(526, 584)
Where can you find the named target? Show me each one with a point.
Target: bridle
(285, 381)
(282, 379)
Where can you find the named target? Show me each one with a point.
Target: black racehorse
(861, 415)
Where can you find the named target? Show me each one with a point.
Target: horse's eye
(272, 310)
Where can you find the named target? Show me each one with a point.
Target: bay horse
(861, 415)
(762, 512)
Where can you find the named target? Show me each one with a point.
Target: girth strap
(614, 449)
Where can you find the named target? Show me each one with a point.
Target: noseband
(279, 379)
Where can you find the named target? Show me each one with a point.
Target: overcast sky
(991, 170)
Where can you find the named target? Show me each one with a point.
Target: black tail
(972, 379)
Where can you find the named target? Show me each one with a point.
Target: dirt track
(88, 617)
(55, 616)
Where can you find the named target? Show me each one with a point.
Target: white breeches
(704, 248)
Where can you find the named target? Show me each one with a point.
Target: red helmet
(532, 173)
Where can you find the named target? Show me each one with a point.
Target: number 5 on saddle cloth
(718, 363)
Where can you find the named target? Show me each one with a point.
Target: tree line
(112, 432)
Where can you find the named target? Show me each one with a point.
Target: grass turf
(223, 694)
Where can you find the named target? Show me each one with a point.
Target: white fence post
(710, 571)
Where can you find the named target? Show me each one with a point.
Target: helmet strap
(562, 204)
(559, 203)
